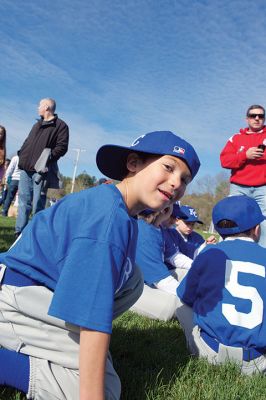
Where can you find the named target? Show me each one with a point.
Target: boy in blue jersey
(158, 299)
(72, 271)
(223, 308)
(185, 228)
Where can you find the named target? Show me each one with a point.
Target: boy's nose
(175, 181)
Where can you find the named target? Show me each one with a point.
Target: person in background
(12, 180)
(185, 228)
(50, 132)
(2, 162)
(3, 184)
(2, 151)
(222, 305)
(180, 234)
(245, 155)
(160, 266)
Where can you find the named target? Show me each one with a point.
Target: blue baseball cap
(242, 210)
(177, 212)
(190, 213)
(111, 159)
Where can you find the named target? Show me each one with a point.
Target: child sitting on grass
(158, 300)
(223, 296)
(72, 271)
(186, 226)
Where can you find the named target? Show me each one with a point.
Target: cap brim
(111, 161)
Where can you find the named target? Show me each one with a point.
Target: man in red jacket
(245, 155)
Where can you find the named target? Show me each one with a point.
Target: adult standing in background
(12, 181)
(2, 151)
(49, 132)
(245, 155)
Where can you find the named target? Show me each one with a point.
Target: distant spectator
(245, 155)
(2, 151)
(52, 201)
(49, 132)
(105, 181)
(3, 185)
(101, 181)
(12, 180)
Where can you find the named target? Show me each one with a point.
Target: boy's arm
(94, 346)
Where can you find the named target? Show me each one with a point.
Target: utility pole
(75, 167)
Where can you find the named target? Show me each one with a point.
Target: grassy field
(153, 363)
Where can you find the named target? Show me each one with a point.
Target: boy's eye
(168, 167)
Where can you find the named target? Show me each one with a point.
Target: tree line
(203, 195)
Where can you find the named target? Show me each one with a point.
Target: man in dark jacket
(49, 132)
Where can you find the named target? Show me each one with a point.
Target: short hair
(150, 218)
(52, 104)
(227, 223)
(141, 155)
(253, 108)
(3, 129)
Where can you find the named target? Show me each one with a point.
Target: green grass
(153, 363)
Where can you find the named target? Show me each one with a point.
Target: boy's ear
(257, 233)
(132, 162)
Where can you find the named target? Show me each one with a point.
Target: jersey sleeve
(84, 294)
(231, 157)
(188, 287)
(150, 257)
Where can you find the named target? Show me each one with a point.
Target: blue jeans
(258, 193)
(30, 198)
(11, 192)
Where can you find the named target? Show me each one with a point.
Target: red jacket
(233, 156)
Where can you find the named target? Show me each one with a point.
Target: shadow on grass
(147, 354)
(7, 237)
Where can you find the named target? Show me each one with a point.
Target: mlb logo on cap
(179, 150)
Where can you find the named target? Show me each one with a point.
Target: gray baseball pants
(51, 343)
(200, 348)
(156, 304)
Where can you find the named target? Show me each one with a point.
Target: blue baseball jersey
(226, 287)
(190, 243)
(150, 253)
(174, 243)
(83, 248)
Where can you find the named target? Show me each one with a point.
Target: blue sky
(118, 69)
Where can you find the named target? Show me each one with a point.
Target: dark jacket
(53, 134)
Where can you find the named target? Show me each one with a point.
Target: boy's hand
(94, 346)
(211, 240)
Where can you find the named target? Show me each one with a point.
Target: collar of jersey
(247, 239)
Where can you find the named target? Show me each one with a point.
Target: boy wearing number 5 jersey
(223, 296)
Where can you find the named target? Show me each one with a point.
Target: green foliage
(208, 191)
(82, 181)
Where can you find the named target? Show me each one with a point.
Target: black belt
(15, 278)
(248, 354)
